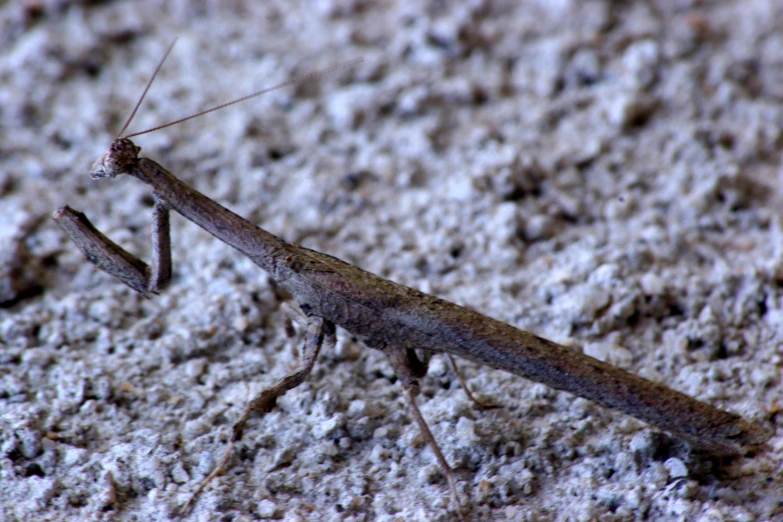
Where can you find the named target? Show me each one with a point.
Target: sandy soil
(605, 174)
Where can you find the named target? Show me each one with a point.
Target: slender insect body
(387, 316)
(384, 313)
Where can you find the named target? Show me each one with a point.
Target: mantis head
(122, 156)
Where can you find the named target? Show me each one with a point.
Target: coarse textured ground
(605, 174)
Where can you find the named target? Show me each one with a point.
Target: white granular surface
(604, 174)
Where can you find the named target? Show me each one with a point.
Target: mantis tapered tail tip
(734, 439)
(754, 434)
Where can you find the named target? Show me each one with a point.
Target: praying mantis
(395, 319)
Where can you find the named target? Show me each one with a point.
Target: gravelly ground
(604, 174)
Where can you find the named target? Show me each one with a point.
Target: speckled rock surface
(603, 174)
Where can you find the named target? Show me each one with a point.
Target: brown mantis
(386, 316)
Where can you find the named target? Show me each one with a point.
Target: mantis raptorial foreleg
(115, 260)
